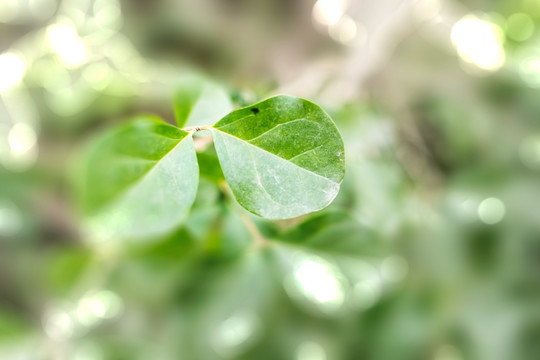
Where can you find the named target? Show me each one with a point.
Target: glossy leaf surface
(282, 157)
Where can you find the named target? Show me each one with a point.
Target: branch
(258, 238)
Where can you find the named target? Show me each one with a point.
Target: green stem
(258, 239)
(194, 129)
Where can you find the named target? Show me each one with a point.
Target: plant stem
(194, 129)
(258, 238)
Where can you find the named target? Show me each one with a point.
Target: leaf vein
(271, 197)
(268, 152)
(276, 126)
(117, 197)
(305, 152)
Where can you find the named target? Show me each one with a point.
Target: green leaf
(334, 233)
(200, 102)
(229, 236)
(282, 157)
(209, 165)
(139, 180)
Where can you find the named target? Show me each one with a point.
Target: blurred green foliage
(430, 251)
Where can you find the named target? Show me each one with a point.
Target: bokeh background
(431, 250)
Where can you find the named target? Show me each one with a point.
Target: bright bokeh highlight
(70, 48)
(97, 306)
(345, 31)
(491, 210)
(319, 282)
(233, 333)
(479, 42)
(328, 12)
(12, 69)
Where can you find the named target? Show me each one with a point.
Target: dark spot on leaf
(255, 111)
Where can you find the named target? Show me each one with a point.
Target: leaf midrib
(124, 191)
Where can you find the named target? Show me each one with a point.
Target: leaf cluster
(282, 157)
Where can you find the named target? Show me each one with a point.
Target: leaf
(139, 180)
(229, 237)
(209, 165)
(334, 233)
(200, 102)
(282, 157)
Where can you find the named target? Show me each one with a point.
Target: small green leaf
(200, 102)
(282, 157)
(334, 234)
(209, 165)
(139, 180)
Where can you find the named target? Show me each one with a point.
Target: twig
(192, 129)
(258, 238)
